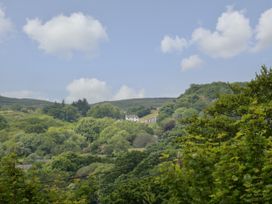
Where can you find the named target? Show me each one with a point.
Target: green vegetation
(145, 102)
(212, 144)
(3, 122)
(61, 111)
(105, 110)
(22, 103)
(82, 106)
(140, 111)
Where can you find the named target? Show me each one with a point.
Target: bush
(105, 110)
(3, 122)
(144, 140)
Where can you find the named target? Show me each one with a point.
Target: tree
(82, 106)
(184, 113)
(34, 125)
(55, 110)
(15, 187)
(70, 113)
(63, 112)
(91, 127)
(143, 140)
(105, 110)
(166, 111)
(224, 153)
(140, 111)
(261, 86)
(3, 122)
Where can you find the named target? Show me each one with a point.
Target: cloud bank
(64, 35)
(230, 38)
(6, 25)
(169, 44)
(126, 93)
(92, 89)
(95, 91)
(264, 31)
(191, 62)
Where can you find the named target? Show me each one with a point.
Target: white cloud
(24, 94)
(6, 25)
(64, 35)
(92, 89)
(191, 62)
(230, 38)
(95, 91)
(126, 93)
(169, 44)
(264, 31)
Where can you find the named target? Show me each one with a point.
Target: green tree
(34, 125)
(15, 187)
(105, 110)
(3, 122)
(70, 113)
(92, 127)
(224, 154)
(140, 111)
(63, 112)
(82, 106)
(184, 113)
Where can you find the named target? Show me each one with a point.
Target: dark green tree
(105, 110)
(15, 187)
(3, 122)
(82, 106)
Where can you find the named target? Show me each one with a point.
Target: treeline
(81, 108)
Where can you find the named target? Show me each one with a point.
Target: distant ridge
(122, 104)
(25, 102)
(146, 102)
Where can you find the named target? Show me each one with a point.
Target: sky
(110, 50)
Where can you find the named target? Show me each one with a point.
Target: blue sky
(109, 50)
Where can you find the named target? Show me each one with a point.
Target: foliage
(105, 110)
(82, 106)
(91, 127)
(71, 162)
(16, 187)
(184, 113)
(149, 103)
(166, 111)
(224, 153)
(63, 112)
(140, 111)
(3, 122)
(6, 102)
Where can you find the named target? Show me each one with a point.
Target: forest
(212, 144)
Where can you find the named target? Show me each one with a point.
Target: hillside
(196, 99)
(146, 102)
(213, 137)
(11, 102)
(199, 96)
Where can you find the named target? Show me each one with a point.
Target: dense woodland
(212, 144)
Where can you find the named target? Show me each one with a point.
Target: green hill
(196, 99)
(12, 102)
(122, 104)
(146, 102)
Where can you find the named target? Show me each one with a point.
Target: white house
(133, 118)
